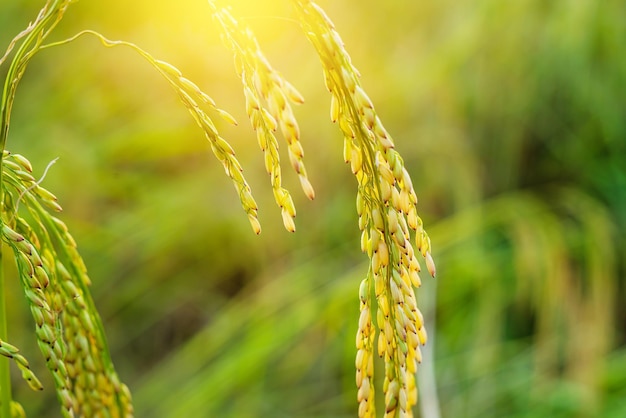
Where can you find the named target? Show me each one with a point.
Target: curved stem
(5, 376)
(34, 35)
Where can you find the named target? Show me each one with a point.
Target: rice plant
(53, 276)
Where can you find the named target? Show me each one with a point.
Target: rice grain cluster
(386, 205)
(54, 278)
(267, 96)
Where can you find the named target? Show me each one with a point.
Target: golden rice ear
(267, 95)
(386, 205)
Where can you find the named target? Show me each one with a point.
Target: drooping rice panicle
(55, 281)
(267, 96)
(193, 98)
(386, 205)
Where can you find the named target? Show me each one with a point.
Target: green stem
(5, 376)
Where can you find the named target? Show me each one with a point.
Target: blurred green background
(511, 118)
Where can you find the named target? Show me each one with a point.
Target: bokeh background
(511, 118)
